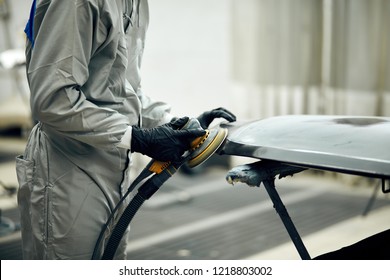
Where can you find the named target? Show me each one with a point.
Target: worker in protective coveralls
(83, 68)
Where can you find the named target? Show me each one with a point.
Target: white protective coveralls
(84, 75)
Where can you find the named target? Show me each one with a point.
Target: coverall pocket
(24, 172)
(35, 210)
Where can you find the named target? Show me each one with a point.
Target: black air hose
(144, 192)
(121, 227)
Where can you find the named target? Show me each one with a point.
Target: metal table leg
(264, 172)
(285, 217)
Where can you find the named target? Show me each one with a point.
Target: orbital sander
(201, 149)
(152, 177)
(205, 146)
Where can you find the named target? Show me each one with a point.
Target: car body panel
(346, 144)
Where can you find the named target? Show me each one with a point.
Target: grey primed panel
(347, 144)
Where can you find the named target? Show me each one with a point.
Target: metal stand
(264, 172)
(285, 217)
(371, 201)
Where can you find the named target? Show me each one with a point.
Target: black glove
(166, 142)
(207, 117)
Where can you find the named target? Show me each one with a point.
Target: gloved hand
(166, 142)
(207, 117)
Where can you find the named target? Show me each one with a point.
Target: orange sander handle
(159, 166)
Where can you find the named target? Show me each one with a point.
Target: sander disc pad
(209, 147)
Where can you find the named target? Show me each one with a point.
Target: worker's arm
(67, 36)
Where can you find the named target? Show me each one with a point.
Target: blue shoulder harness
(29, 30)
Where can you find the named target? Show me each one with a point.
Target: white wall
(187, 55)
(191, 56)
(12, 36)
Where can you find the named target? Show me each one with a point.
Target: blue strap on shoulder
(29, 30)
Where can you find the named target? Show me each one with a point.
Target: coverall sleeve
(58, 69)
(154, 112)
